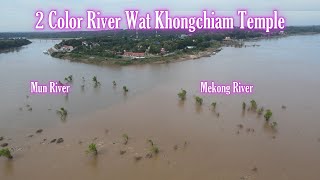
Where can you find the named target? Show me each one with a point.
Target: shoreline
(177, 57)
(193, 55)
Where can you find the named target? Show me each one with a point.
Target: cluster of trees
(12, 43)
(113, 46)
(236, 33)
(113, 43)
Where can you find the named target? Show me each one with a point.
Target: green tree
(268, 114)
(182, 94)
(214, 104)
(6, 153)
(254, 105)
(125, 89)
(125, 138)
(199, 100)
(92, 148)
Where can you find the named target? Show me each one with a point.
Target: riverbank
(177, 56)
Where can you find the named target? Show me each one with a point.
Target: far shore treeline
(76, 34)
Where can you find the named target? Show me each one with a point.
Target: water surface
(284, 71)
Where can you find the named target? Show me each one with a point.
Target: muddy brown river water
(194, 142)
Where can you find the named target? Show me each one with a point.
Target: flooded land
(190, 141)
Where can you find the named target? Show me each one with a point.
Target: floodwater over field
(194, 142)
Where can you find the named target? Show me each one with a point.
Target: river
(194, 142)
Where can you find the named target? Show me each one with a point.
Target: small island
(13, 43)
(126, 47)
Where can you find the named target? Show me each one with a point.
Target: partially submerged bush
(244, 106)
(273, 125)
(254, 105)
(95, 81)
(6, 153)
(92, 148)
(214, 104)
(69, 79)
(199, 100)
(125, 138)
(154, 148)
(62, 112)
(260, 111)
(268, 115)
(182, 94)
(125, 89)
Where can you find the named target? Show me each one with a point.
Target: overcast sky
(18, 15)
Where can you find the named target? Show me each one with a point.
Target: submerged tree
(244, 106)
(254, 105)
(150, 142)
(92, 148)
(260, 111)
(95, 81)
(199, 100)
(6, 153)
(153, 147)
(125, 89)
(182, 94)
(273, 125)
(114, 83)
(63, 113)
(69, 79)
(125, 139)
(268, 114)
(214, 104)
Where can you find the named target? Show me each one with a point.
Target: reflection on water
(12, 50)
(8, 168)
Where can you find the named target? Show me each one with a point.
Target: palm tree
(92, 148)
(6, 153)
(182, 94)
(268, 114)
(199, 100)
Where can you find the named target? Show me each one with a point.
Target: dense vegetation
(118, 33)
(12, 43)
(84, 34)
(111, 46)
